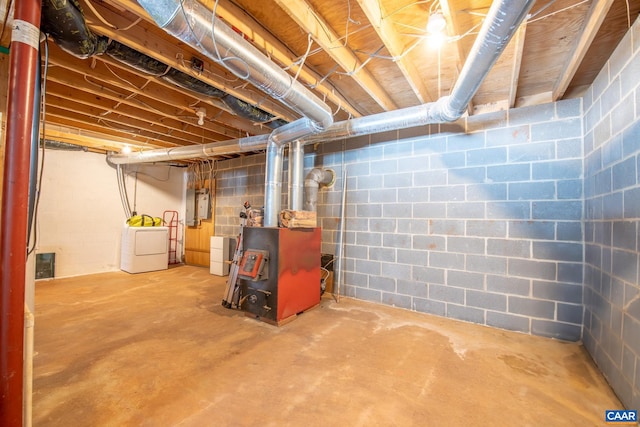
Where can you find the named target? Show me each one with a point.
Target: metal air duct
(194, 24)
(315, 179)
(502, 21)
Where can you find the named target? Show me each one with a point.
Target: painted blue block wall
(612, 209)
(525, 220)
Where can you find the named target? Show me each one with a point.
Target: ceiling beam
(597, 13)
(386, 31)
(266, 42)
(172, 54)
(517, 44)
(312, 23)
(163, 98)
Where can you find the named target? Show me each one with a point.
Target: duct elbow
(315, 179)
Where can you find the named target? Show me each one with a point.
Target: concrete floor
(158, 349)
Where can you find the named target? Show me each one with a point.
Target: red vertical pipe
(13, 226)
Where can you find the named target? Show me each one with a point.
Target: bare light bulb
(436, 23)
(126, 149)
(201, 113)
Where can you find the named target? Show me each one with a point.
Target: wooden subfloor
(158, 349)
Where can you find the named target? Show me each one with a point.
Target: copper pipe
(25, 39)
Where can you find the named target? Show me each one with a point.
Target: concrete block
(432, 177)
(380, 167)
(508, 285)
(558, 129)
(509, 248)
(632, 203)
(430, 210)
(539, 190)
(486, 156)
(531, 307)
(411, 288)
(385, 254)
(470, 175)
(447, 193)
(428, 242)
(413, 163)
(428, 306)
(395, 300)
(446, 293)
(414, 226)
(446, 227)
(428, 275)
(465, 210)
(486, 264)
(394, 240)
(356, 279)
(534, 114)
(603, 181)
(394, 270)
(372, 268)
(559, 251)
(413, 194)
(560, 169)
(569, 231)
(612, 151)
(631, 139)
(612, 205)
(509, 172)
(463, 279)
(368, 182)
(368, 294)
(486, 300)
(570, 272)
(625, 265)
(532, 152)
(484, 192)
(410, 256)
(398, 180)
(569, 148)
(369, 210)
(380, 283)
(447, 160)
(368, 239)
(508, 210)
(508, 321)
(511, 135)
(625, 235)
(464, 142)
(396, 210)
(382, 225)
(387, 195)
(562, 292)
(532, 269)
(468, 314)
(467, 245)
(486, 228)
(558, 330)
(562, 210)
(353, 251)
(446, 260)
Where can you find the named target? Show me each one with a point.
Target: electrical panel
(204, 204)
(190, 215)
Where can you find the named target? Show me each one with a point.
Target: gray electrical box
(204, 204)
(190, 217)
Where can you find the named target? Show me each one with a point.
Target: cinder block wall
(612, 209)
(478, 220)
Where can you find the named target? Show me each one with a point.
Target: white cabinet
(220, 255)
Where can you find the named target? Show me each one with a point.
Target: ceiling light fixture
(436, 23)
(201, 113)
(126, 149)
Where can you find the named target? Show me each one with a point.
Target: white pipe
(29, 322)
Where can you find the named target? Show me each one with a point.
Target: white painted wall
(81, 216)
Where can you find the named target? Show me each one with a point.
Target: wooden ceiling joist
(312, 23)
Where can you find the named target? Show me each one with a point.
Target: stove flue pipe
(315, 179)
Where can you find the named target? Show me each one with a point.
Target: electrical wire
(43, 112)
(531, 21)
